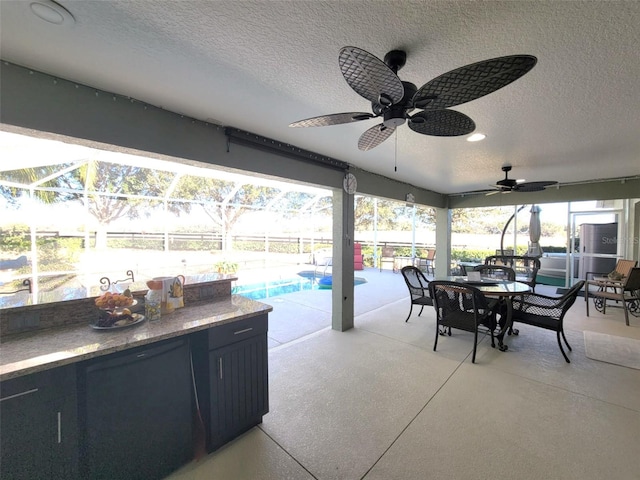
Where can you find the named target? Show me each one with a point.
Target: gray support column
(443, 242)
(342, 269)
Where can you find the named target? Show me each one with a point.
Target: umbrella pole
(504, 230)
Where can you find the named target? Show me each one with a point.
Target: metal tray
(137, 318)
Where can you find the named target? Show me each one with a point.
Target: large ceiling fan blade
(472, 81)
(369, 76)
(333, 119)
(533, 186)
(441, 123)
(374, 136)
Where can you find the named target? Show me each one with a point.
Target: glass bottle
(152, 302)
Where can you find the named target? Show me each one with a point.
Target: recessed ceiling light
(51, 12)
(476, 137)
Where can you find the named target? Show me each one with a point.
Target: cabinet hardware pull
(59, 427)
(27, 392)
(243, 331)
(220, 367)
(140, 355)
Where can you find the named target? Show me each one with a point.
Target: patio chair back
(624, 267)
(418, 286)
(428, 262)
(632, 283)
(387, 257)
(546, 312)
(462, 307)
(526, 268)
(498, 272)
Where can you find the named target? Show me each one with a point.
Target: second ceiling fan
(395, 100)
(508, 185)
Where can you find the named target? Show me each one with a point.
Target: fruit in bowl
(112, 301)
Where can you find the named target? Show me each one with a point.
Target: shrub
(15, 239)
(225, 266)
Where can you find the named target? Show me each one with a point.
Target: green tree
(111, 190)
(224, 202)
(489, 220)
(364, 213)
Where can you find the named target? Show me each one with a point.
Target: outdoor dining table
(500, 289)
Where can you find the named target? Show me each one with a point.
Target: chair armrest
(593, 274)
(605, 282)
(545, 303)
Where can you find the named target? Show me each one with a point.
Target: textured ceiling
(260, 65)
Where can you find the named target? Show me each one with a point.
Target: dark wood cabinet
(38, 426)
(236, 387)
(130, 414)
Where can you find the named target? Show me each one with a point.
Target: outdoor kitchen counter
(28, 353)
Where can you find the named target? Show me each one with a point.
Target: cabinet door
(136, 413)
(239, 388)
(38, 426)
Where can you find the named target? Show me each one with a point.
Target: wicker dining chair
(418, 288)
(546, 312)
(498, 272)
(462, 307)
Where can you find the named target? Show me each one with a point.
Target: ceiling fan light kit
(394, 100)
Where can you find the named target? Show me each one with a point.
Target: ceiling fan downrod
(395, 60)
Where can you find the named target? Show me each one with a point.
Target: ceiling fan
(508, 185)
(394, 100)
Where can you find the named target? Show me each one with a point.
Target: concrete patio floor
(376, 402)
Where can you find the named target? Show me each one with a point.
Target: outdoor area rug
(611, 349)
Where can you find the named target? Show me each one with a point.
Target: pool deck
(297, 315)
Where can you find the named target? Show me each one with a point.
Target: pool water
(273, 288)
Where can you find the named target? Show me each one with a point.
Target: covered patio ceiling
(259, 66)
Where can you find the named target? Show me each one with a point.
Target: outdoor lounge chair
(626, 291)
(622, 270)
(546, 312)
(462, 307)
(418, 288)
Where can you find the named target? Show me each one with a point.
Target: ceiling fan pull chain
(395, 161)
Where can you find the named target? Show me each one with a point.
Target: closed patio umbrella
(535, 250)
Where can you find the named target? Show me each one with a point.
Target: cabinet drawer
(54, 383)
(237, 331)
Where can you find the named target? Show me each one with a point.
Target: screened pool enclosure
(74, 215)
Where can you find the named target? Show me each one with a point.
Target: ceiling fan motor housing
(396, 115)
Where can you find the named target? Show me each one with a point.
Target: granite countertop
(63, 294)
(33, 352)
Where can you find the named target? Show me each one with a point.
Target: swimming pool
(307, 280)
